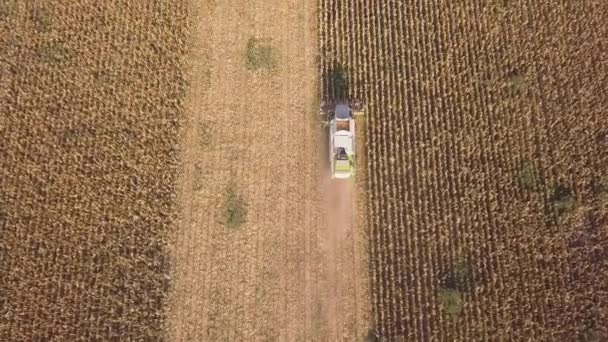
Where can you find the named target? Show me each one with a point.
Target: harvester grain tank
(342, 138)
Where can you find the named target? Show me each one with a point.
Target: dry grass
(91, 98)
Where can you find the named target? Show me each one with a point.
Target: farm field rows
(487, 158)
(91, 95)
(161, 171)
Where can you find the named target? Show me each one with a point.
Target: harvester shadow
(336, 83)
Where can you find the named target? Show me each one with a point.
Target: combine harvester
(342, 137)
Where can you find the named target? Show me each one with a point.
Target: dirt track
(335, 238)
(294, 271)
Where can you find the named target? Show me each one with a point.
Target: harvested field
(487, 159)
(267, 248)
(91, 95)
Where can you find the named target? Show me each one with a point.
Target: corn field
(487, 157)
(90, 102)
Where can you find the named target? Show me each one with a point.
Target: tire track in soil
(185, 249)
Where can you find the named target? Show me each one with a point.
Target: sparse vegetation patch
(260, 54)
(562, 198)
(517, 80)
(235, 208)
(528, 177)
(451, 300)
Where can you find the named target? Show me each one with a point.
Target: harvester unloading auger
(342, 136)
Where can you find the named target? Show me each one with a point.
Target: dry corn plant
(91, 97)
(487, 143)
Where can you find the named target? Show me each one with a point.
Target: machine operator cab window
(343, 164)
(341, 154)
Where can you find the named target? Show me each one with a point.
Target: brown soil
(335, 238)
(287, 274)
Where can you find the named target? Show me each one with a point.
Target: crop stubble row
(254, 280)
(446, 134)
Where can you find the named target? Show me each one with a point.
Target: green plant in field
(562, 198)
(235, 208)
(451, 299)
(53, 52)
(458, 275)
(527, 176)
(260, 55)
(517, 80)
(339, 82)
(461, 272)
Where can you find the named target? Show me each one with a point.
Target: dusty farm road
(335, 239)
(296, 269)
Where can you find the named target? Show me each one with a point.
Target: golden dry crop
(91, 96)
(487, 158)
